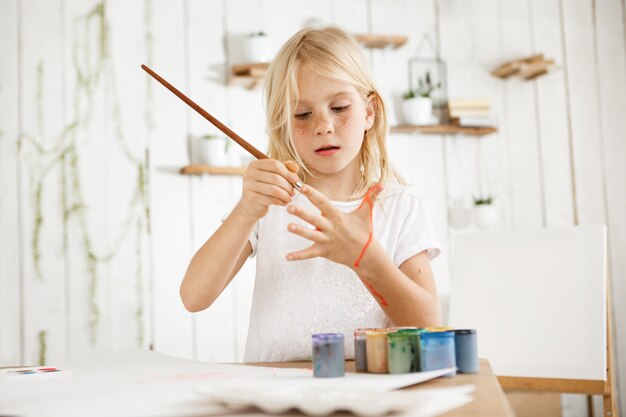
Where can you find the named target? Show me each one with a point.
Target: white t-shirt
(294, 299)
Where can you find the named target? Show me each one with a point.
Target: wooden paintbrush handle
(254, 151)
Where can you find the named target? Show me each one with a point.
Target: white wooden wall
(79, 232)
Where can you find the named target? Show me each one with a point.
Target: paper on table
(317, 402)
(145, 383)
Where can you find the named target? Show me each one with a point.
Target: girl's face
(329, 123)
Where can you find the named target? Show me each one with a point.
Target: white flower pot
(257, 48)
(486, 216)
(210, 151)
(418, 111)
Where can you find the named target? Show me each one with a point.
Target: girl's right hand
(267, 182)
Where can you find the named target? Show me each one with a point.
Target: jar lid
(327, 337)
(377, 332)
(401, 335)
(412, 331)
(438, 334)
(465, 331)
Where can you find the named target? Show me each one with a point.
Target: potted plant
(211, 150)
(485, 213)
(256, 47)
(417, 105)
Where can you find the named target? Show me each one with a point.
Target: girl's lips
(327, 151)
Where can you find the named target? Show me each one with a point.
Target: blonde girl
(352, 248)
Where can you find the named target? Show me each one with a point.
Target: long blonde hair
(332, 53)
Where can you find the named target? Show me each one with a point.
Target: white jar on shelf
(256, 48)
(486, 216)
(210, 150)
(417, 111)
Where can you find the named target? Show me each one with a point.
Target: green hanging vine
(43, 346)
(91, 70)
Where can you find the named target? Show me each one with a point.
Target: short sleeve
(415, 233)
(254, 239)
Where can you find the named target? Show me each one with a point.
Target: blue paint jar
(465, 346)
(328, 355)
(360, 350)
(437, 351)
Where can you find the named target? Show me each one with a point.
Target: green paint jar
(403, 351)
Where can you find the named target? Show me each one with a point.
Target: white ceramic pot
(257, 48)
(211, 150)
(418, 111)
(486, 216)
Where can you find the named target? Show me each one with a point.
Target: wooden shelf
(528, 68)
(196, 169)
(249, 75)
(381, 41)
(444, 130)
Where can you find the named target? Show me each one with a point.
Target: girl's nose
(323, 125)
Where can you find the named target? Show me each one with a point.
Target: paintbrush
(215, 122)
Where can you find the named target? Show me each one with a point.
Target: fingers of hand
(292, 166)
(310, 252)
(273, 165)
(319, 200)
(319, 222)
(310, 234)
(275, 179)
(277, 167)
(277, 194)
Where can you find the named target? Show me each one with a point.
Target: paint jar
(439, 329)
(437, 351)
(360, 350)
(328, 355)
(376, 347)
(403, 351)
(466, 349)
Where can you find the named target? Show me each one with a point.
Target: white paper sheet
(141, 383)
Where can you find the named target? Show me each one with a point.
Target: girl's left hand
(338, 236)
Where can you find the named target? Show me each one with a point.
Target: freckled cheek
(300, 129)
(345, 122)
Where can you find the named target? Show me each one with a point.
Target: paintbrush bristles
(253, 151)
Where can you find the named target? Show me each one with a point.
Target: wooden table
(489, 399)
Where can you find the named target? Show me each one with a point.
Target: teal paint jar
(403, 351)
(328, 355)
(437, 351)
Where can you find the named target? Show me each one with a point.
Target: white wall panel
(206, 57)
(10, 279)
(126, 185)
(41, 113)
(552, 114)
(86, 176)
(584, 102)
(170, 192)
(611, 53)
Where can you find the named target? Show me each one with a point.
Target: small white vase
(256, 48)
(486, 216)
(418, 111)
(211, 150)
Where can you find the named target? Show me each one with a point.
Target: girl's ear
(370, 110)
